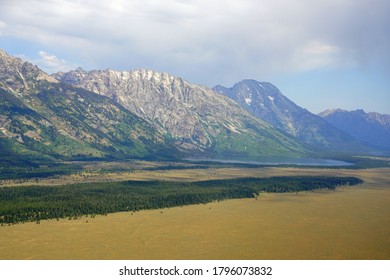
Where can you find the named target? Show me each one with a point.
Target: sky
(321, 54)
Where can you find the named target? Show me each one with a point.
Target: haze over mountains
(266, 102)
(373, 128)
(111, 114)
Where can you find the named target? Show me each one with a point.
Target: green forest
(36, 203)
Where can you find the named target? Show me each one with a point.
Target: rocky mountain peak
(195, 117)
(372, 128)
(20, 76)
(266, 102)
(151, 75)
(58, 121)
(329, 112)
(71, 77)
(250, 91)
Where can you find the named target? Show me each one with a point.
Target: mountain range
(194, 117)
(372, 128)
(266, 102)
(138, 114)
(108, 114)
(41, 118)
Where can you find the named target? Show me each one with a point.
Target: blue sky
(321, 54)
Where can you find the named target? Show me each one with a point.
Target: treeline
(288, 184)
(36, 203)
(35, 171)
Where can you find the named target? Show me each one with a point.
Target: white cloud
(51, 63)
(317, 55)
(205, 41)
(3, 25)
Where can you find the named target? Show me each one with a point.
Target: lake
(272, 161)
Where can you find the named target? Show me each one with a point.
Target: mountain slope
(18, 76)
(196, 118)
(373, 128)
(40, 117)
(266, 102)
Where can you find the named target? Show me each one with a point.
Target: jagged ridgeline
(106, 114)
(266, 102)
(111, 114)
(34, 203)
(43, 119)
(194, 117)
(372, 128)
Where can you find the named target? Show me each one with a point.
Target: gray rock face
(373, 128)
(194, 116)
(45, 119)
(266, 102)
(20, 76)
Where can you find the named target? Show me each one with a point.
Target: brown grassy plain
(349, 223)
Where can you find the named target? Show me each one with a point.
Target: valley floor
(349, 223)
(145, 170)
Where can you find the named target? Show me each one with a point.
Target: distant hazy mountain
(266, 102)
(195, 117)
(41, 118)
(373, 128)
